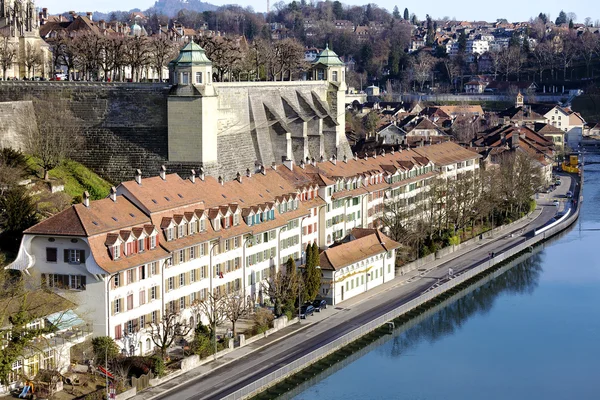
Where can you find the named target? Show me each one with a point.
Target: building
(159, 245)
(241, 124)
(364, 259)
(50, 350)
(19, 26)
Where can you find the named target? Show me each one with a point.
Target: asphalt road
(248, 369)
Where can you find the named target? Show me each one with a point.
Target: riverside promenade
(248, 369)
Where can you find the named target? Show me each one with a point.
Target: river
(531, 333)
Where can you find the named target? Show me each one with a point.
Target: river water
(531, 333)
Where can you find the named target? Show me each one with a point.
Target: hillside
(172, 7)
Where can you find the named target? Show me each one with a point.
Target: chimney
(248, 173)
(86, 199)
(302, 164)
(274, 165)
(333, 159)
(289, 164)
(382, 152)
(201, 176)
(193, 176)
(313, 161)
(345, 159)
(238, 177)
(322, 158)
(89, 15)
(392, 151)
(263, 170)
(515, 140)
(163, 173)
(138, 176)
(113, 194)
(102, 24)
(355, 156)
(45, 12)
(220, 179)
(72, 14)
(374, 153)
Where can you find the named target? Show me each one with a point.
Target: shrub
(263, 320)
(158, 366)
(104, 348)
(454, 240)
(532, 205)
(289, 315)
(202, 345)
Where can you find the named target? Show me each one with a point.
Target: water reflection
(523, 278)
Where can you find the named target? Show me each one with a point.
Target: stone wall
(125, 125)
(15, 118)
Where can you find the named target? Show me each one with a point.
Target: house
(361, 261)
(423, 128)
(390, 134)
(562, 118)
(552, 133)
(507, 86)
(475, 87)
(60, 329)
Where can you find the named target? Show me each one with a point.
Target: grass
(76, 177)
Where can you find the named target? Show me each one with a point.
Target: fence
(142, 382)
(301, 363)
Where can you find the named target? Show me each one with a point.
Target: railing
(301, 363)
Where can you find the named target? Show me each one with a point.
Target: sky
(512, 10)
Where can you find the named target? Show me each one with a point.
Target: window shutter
(122, 279)
(149, 296)
(167, 284)
(175, 259)
(81, 256)
(66, 253)
(112, 307)
(83, 281)
(158, 292)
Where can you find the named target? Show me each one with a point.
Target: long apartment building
(160, 244)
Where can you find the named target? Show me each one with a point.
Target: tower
(192, 108)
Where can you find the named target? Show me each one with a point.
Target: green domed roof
(191, 54)
(328, 57)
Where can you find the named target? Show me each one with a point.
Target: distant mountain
(172, 7)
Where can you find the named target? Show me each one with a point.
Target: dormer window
(140, 245)
(116, 250)
(225, 222)
(199, 77)
(236, 219)
(169, 234)
(192, 227)
(202, 225)
(180, 231)
(152, 242)
(217, 224)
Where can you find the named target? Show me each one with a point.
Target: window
(181, 279)
(142, 297)
(185, 79)
(180, 231)
(142, 272)
(153, 293)
(140, 245)
(154, 317)
(181, 256)
(334, 76)
(169, 234)
(51, 254)
(142, 321)
(192, 252)
(236, 242)
(117, 280)
(171, 283)
(152, 241)
(182, 303)
(116, 250)
(73, 256)
(130, 326)
(118, 333)
(153, 268)
(193, 275)
(199, 77)
(130, 276)
(117, 305)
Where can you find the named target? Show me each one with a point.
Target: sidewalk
(330, 314)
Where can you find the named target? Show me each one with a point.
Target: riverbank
(217, 380)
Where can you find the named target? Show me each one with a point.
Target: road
(333, 323)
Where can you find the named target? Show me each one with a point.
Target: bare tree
(423, 67)
(8, 54)
(32, 58)
(137, 55)
(213, 308)
(283, 288)
(164, 332)
(56, 136)
(162, 51)
(235, 308)
(588, 46)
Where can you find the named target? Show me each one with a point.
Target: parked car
(319, 305)
(306, 310)
(569, 194)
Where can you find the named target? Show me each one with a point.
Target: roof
(328, 57)
(356, 246)
(36, 304)
(446, 153)
(191, 54)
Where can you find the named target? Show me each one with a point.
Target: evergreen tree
(543, 17)
(308, 255)
(462, 42)
(17, 213)
(312, 274)
(406, 14)
(396, 13)
(430, 36)
(338, 10)
(562, 18)
(571, 25)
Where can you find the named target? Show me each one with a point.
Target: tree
(137, 55)
(312, 274)
(162, 51)
(423, 67)
(56, 135)
(32, 58)
(430, 34)
(17, 213)
(235, 308)
(105, 348)
(283, 287)
(8, 53)
(370, 123)
(396, 13)
(406, 14)
(543, 17)
(168, 328)
(562, 18)
(213, 308)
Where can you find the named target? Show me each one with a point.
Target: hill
(172, 7)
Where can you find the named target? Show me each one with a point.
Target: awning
(64, 320)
